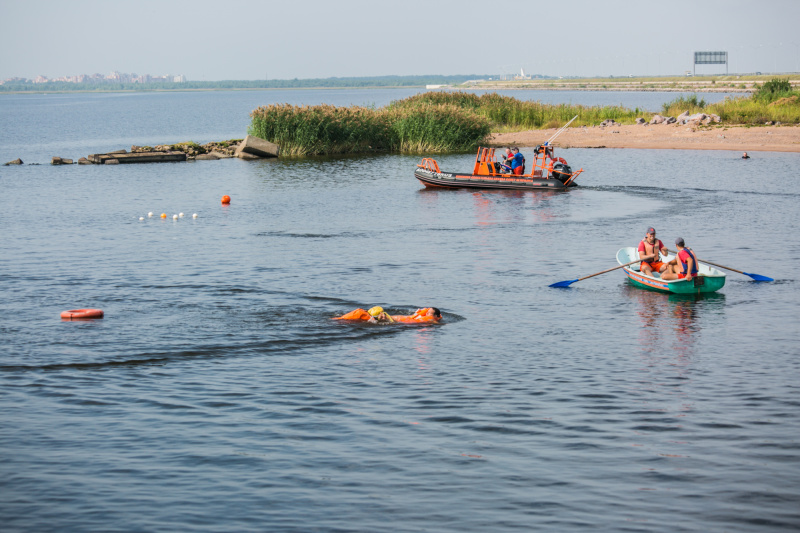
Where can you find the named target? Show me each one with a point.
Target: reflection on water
(676, 319)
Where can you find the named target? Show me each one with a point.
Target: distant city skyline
(114, 77)
(309, 39)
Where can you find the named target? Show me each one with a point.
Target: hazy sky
(251, 39)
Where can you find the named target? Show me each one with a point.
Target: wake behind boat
(708, 279)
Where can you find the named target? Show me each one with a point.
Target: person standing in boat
(684, 265)
(518, 162)
(651, 248)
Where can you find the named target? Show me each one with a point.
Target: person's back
(518, 163)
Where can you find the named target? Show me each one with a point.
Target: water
(217, 394)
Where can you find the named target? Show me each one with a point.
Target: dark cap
(679, 241)
(651, 230)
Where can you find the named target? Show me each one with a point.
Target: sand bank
(659, 136)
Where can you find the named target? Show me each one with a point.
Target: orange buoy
(163, 215)
(82, 313)
(226, 199)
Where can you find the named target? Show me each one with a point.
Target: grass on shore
(409, 127)
(438, 122)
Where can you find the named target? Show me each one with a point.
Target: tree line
(373, 81)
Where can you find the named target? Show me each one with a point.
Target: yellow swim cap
(375, 311)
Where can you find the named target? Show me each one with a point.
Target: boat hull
(472, 181)
(709, 279)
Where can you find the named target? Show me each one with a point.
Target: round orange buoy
(226, 199)
(163, 215)
(82, 313)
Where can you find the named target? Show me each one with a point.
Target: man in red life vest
(686, 260)
(650, 249)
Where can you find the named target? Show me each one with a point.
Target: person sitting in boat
(375, 315)
(518, 162)
(684, 265)
(650, 249)
(426, 314)
(508, 158)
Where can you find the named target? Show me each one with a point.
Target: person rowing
(650, 249)
(684, 265)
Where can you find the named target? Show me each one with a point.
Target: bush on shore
(774, 101)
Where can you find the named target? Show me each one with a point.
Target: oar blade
(563, 283)
(758, 277)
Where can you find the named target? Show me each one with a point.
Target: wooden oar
(571, 281)
(756, 277)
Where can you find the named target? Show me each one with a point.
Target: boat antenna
(559, 132)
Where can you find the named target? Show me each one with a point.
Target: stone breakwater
(250, 148)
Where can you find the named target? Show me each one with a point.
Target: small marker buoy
(174, 217)
(226, 199)
(141, 218)
(194, 216)
(150, 214)
(180, 215)
(163, 215)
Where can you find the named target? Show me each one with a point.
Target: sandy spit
(671, 136)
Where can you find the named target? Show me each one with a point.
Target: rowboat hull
(449, 180)
(709, 279)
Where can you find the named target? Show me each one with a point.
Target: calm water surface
(217, 394)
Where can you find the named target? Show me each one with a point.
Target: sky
(209, 40)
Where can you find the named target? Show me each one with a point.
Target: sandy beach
(660, 136)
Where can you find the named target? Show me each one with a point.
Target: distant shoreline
(471, 88)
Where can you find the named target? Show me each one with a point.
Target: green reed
(426, 126)
(747, 110)
(683, 103)
(509, 114)
(324, 129)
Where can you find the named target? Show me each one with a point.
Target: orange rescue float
(75, 314)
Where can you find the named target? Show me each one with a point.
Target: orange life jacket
(419, 316)
(356, 314)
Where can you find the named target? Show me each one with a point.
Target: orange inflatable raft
(73, 314)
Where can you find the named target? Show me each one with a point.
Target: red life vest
(683, 257)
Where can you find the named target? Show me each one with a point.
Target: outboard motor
(562, 172)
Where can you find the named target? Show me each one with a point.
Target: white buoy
(141, 218)
(194, 216)
(150, 214)
(180, 215)
(174, 217)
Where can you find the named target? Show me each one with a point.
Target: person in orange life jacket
(374, 315)
(684, 265)
(426, 314)
(518, 163)
(649, 250)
